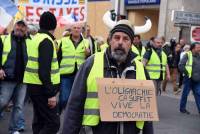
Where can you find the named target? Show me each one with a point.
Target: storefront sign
(127, 100)
(141, 2)
(97, 0)
(190, 18)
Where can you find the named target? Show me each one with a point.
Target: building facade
(161, 13)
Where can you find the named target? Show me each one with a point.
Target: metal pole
(180, 33)
(121, 128)
(117, 9)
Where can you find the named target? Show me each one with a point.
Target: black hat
(123, 26)
(194, 44)
(48, 21)
(22, 22)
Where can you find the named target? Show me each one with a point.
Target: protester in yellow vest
(82, 110)
(66, 33)
(13, 59)
(92, 44)
(189, 66)
(73, 51)
(42, 77)
(137, 47)
(155, 61)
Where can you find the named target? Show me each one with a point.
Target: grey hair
(186, 47)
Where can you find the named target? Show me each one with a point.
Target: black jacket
(75, 108)
(45, 57)
(93, 45)
(15, 64)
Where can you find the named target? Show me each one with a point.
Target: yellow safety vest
(72, 55)
(188, 65)
(104, 46)
(91, 115)
(135, 50)
(31, 72)
(57, 44)
(154, 65)
(6, 39)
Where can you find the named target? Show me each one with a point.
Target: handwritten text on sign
(127, 100)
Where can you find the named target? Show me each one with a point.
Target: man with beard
(83, 106)
(73, 51)
(13, 59)
(155, 61)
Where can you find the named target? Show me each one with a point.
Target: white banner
(66, 11)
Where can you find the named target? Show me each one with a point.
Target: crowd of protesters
(35, 65)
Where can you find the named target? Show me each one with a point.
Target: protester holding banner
(72, 53)
(117, 61)
(13, 61)
(42, 77)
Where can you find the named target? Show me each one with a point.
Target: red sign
(195, 34)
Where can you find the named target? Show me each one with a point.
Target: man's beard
(119, 54)
(19, 33)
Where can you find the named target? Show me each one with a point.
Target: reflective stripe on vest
(72, 55)
(6, 39)
(140, 55)
(91, 115)
(154, 65)
(188, 65)
(31, 72)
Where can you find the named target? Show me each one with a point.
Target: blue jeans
(185, 93)
(65, 90)
(190, 85)
(196, 90)
(17, 92)
(21, 121)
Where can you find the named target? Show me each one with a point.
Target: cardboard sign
(127, 100)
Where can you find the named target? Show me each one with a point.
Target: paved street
(171, 120)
